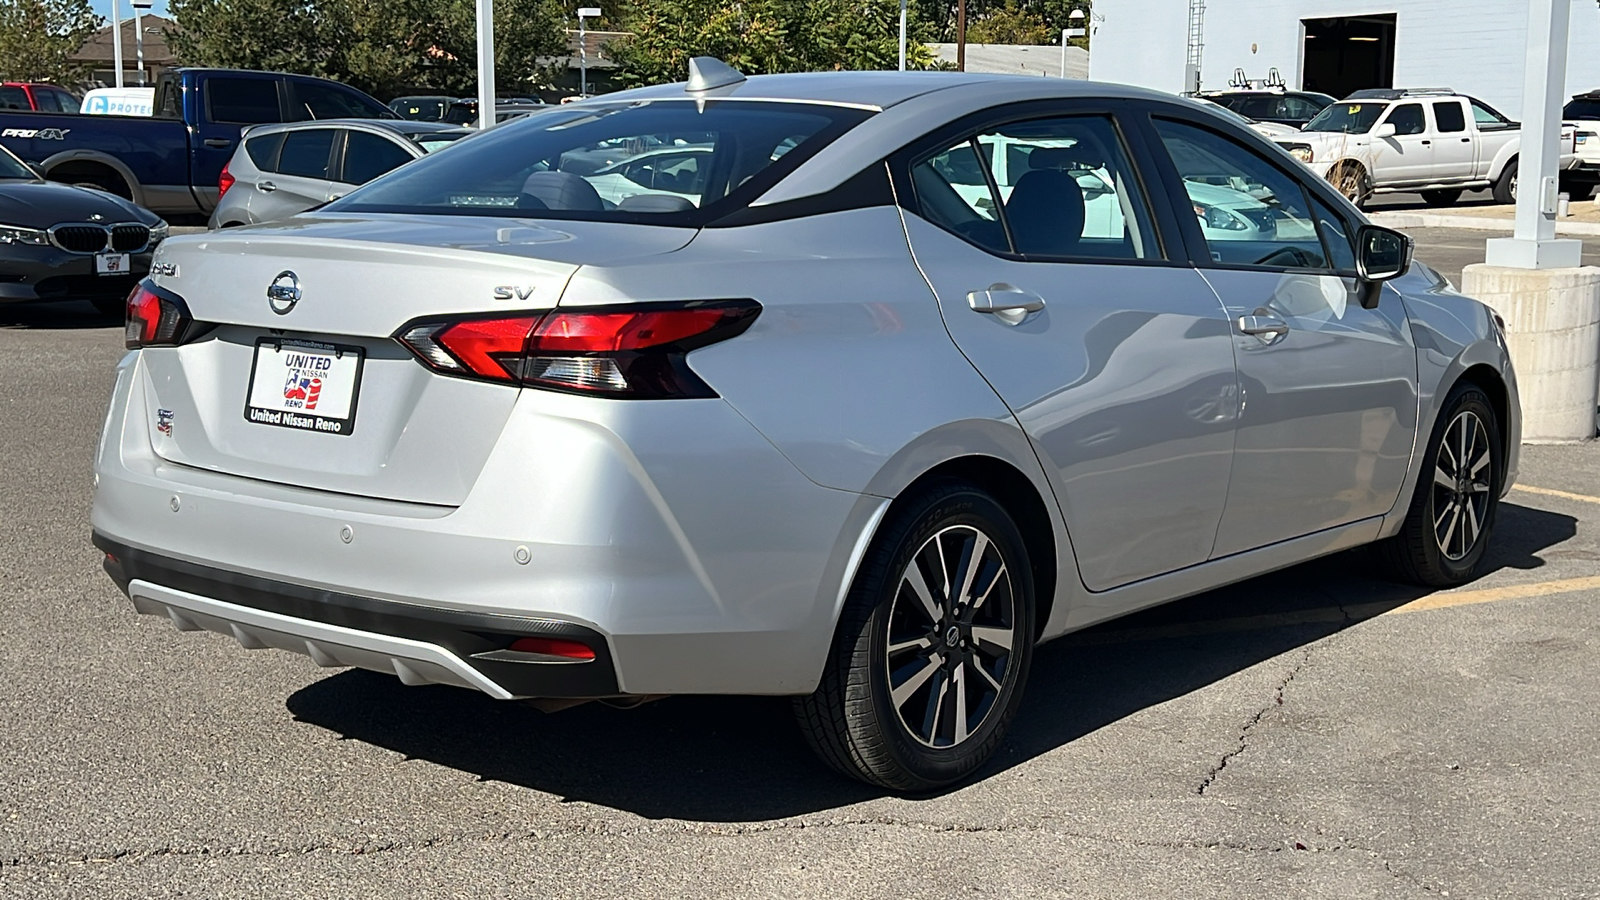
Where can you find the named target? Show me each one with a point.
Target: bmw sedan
(63, 242)
(834, 424)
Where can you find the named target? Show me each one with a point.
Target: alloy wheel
(951, 633)
(1463, 479)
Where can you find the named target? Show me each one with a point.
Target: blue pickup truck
(169, 162)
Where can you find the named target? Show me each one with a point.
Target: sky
(103, 8)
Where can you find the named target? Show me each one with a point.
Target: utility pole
(587, 12)
(961, 35)
(116, 40)
(139, 7)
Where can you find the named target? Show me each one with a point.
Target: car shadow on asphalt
(55, 315)
(723, 759)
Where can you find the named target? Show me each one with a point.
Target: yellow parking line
(1551, 492)
(1330, 614)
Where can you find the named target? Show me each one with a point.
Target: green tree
(384, 47)
(38, 38)
(1012, 24)
(938, 17)
(760, 36)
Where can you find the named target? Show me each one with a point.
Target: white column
(485, 63)
(903, 34)
(116, 40)
(138, 41)
(1544, 88)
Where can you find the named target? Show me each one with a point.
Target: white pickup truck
(1434, 142)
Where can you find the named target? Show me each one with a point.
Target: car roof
(872, 90)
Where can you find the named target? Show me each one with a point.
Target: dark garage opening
(1348, 53)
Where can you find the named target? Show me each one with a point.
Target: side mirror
(36, 169)
(1386, 130)
(1382, 254)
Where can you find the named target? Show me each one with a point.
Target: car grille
(129, 238)
(79, 238)
(1264, 219)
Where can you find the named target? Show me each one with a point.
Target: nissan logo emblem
(283, 293)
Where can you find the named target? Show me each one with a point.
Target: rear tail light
(628, 352)
(156, 318)
(224, 181)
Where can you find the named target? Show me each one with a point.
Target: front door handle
(266, 187)
(1264, 325)
(218, 143)
(1005, 302)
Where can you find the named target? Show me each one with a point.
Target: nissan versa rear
(845, 387)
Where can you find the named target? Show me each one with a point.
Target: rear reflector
(155, 317)
(628, 352)
(553, 647)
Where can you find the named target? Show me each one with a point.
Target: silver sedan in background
(847, 412)
(280, 170)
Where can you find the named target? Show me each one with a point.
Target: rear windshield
(667, 162)
(1347, 118)
(430, 141)
(1582, 109)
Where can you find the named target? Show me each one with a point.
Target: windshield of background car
(11, 167)
(1347, 118)
(666, 162)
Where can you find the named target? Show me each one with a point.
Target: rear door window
(305, 153)
(368, 155)
(263, 150)
(46, 100)
(243, 101)
(1448, 115)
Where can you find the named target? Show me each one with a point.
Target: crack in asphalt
(1252, 722)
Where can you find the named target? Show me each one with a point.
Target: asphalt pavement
(1315, 733)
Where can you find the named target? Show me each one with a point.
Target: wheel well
(1486, 378)
(88, 171)
(1016, 493)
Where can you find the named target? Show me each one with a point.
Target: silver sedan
(891, 379)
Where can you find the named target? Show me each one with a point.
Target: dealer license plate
(304, 384)
(111, 263)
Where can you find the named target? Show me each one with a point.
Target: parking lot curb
(1476, 223)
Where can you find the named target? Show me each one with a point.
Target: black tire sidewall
(935, 767)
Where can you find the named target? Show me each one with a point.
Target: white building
(1477, 47)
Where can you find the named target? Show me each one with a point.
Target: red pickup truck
(37, 97)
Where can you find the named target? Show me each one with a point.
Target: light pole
(116, 41)
(139, 9)
(587, 12)
(961, 35)
(1076, 28)
(485, 64)
(903, 34)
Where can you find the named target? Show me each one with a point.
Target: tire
(112, 307)
(1441, 198)
(1505, 187)
(852, 720)
(1352, 180)
(1436, 546)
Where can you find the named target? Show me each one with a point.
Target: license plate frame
(111, 263)
(345, 366)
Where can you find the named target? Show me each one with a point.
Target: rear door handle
(266, 187)
(218, 143)
(1005, 302)
(1264, 325)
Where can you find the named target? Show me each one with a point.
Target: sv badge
(513, 292)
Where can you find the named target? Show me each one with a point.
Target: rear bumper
(417, 644)
(670, 537)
